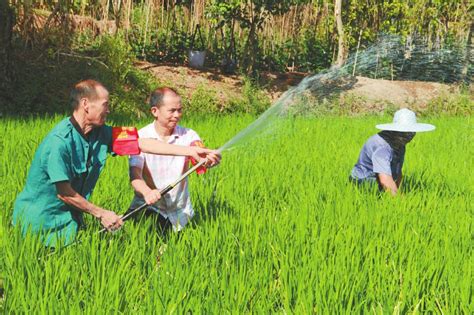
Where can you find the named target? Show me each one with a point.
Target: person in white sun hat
(382, 156)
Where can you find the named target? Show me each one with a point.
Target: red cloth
(125, 141)
(201, 169)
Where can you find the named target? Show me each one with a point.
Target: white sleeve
(138, 160)
(192, 136)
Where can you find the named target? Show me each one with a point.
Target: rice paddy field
(278, 229)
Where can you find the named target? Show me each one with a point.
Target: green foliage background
(51, 50)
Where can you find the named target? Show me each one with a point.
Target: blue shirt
(64, 155)
(378, 157)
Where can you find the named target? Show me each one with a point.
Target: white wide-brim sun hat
(404, 120)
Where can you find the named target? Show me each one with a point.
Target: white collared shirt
(164, 170)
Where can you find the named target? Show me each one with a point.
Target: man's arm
(69, 196)
(399, 180)
(150, 195)
(387, 182)
(154, 146)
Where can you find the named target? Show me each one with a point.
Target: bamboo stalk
(145, 33)
(128, 18)
(162, 13)
(293, 31)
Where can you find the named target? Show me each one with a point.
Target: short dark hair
(84, 89)
(156, 97)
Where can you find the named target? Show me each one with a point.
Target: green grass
(278, 229)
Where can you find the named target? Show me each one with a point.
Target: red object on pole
(125, 141)
(202, 169)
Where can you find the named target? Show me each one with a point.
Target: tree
(224, 15)
(468, 52)
(342, 50)
(251, 15)
(7, 21)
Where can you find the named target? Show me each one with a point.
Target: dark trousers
(161, 224)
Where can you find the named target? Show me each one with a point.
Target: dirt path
(371, 91)
(225, 86)
(400, 93)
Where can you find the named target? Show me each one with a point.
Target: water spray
(389, 58)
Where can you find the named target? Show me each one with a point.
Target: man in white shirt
(150, 173)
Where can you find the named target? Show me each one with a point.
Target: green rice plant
(278, 229)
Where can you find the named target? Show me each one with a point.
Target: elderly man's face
(98, 109)
(169, 114)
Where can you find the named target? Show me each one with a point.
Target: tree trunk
(342, 48)
(7, 21)
(250, 50)
(467, 53)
